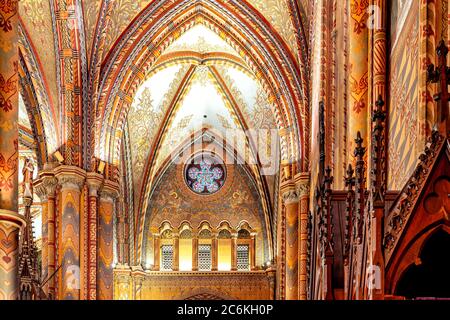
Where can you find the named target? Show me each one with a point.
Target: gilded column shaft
(234, 252)
(304, 193)
(106, 244)
(291, 202)
(358, 73)
(45, 188)
(9, 136)
(156, 252)
(71, 181)
(195, 254)
(214, 253)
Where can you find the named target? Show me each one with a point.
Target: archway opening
(430, 277)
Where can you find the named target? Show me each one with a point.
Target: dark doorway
(431, 279)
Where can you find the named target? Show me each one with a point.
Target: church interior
(224, 150)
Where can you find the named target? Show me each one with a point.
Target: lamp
(58, 157)
(101, 167)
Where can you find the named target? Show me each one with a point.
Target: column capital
(70, 177)
(45, 185)
(27, 201)
(94, 182)
(303, 185)
(109, 191)
(290, 196)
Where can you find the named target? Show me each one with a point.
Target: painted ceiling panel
(277, 13)
(37, 20)
(250, 96)
(201, 39)
(147, 112)
(202, 106)
(91, 10)
(123, 12)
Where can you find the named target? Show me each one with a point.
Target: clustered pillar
(290, 199)
(10, 221)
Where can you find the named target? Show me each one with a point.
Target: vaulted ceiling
(202, 79)
(199, 82)
(38, 19)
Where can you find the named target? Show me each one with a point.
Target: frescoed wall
(404, 131)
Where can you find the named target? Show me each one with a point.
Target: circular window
(205, 175)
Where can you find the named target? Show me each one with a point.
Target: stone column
(105, 234)
(195, 253)
(214, 252)
(71, 180)
(94, 182)
(45, 188)
(138, 276)
(176, 252)
(252, 250)
(156, 251)
(290, 199)
(358, 74)
(303, 191)
(10, 221)
(234, 237)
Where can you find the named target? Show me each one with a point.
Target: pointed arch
(34, 90)
(143, 222)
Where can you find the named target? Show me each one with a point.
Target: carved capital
(45, 187)
(27, 201)
(70, 178)
(41, 192)
(94, 182)
(290, 197)
(109, 191)
(303, 189)
(71, 182)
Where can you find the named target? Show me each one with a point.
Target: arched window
(243, 250)
(167, 250)
(204, 250)
(224, 250)
(185, 250)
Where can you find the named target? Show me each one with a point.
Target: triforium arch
(128, 62)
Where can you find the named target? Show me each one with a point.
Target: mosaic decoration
(204, 175)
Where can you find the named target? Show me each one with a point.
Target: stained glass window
(205, 175)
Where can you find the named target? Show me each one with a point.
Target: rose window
(204, 175)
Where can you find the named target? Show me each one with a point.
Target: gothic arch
(37, 101)
(128, 62)
(412, 253)
(143, 222)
